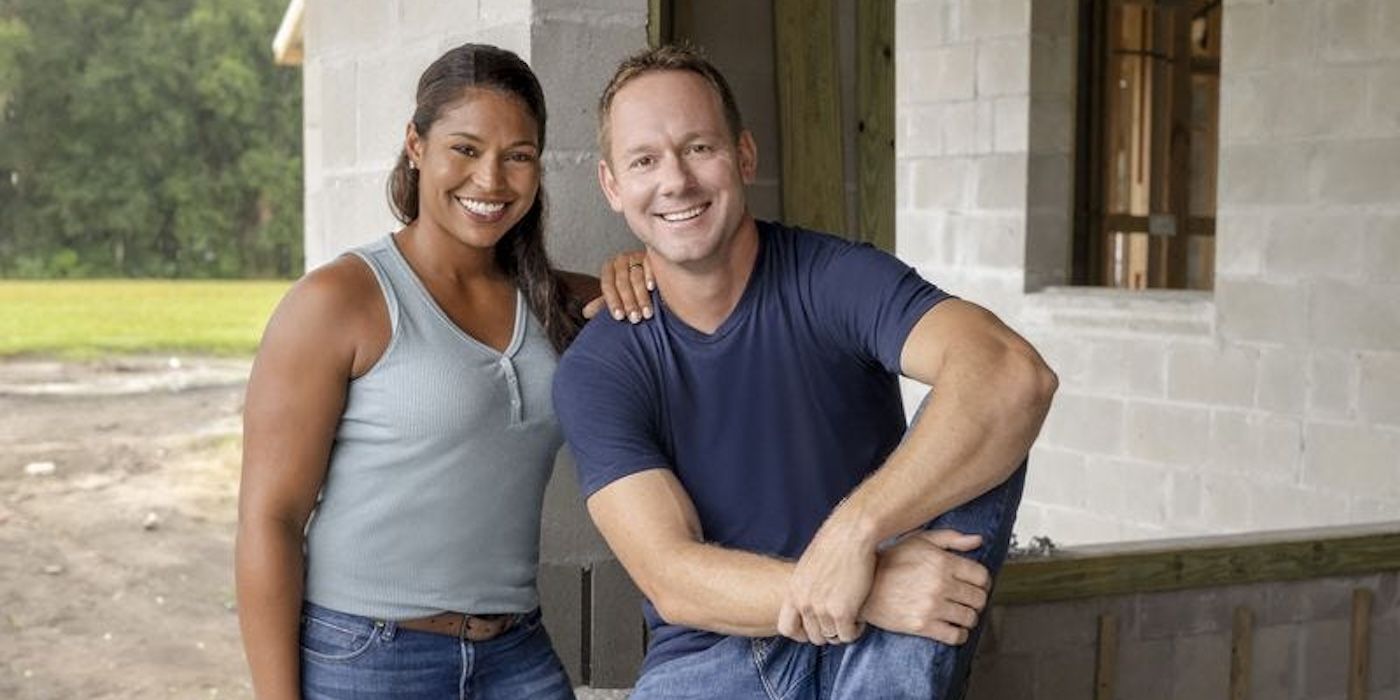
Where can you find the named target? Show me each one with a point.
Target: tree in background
(147, 138)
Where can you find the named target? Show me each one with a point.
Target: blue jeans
(349, 656)
(879, 665)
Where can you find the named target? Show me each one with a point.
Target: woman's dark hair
(520, 252)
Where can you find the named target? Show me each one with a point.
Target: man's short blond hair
(671, 57)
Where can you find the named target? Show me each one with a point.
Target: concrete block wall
(1268, 403)
(1176, 645)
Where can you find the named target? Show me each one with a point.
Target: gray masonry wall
(1271, 402)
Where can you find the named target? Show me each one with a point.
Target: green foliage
(147, 138)
(89, 318)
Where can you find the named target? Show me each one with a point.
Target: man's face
(673, 170)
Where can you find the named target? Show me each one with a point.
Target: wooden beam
(1214, 562)
(660, 29)
(1106, 660)
(1241, 653)
(809, 114)
(1359, 672)
(875, 130)
(287, 45)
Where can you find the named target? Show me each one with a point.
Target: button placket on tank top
(517, 402)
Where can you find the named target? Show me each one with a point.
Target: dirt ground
(118, 487)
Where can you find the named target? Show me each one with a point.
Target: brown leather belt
(473, 628)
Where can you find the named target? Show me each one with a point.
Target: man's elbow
(1030, 383)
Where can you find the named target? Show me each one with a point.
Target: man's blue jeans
(349, 656)
(878, 665)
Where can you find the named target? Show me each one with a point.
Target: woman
(408, 385)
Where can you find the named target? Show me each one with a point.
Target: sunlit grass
(89, 318)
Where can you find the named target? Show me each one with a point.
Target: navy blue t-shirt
(768, 422)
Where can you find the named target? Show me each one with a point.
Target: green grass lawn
(88, 318)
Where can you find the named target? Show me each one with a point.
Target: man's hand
(828, 587)
(922, 587)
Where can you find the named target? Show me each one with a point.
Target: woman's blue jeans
(349, 656)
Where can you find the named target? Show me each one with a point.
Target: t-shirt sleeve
(870, 300)
(607, 419)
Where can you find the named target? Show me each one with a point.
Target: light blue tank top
(436, 480)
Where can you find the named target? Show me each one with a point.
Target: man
(744, 452)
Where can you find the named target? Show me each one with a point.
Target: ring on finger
(633, 265)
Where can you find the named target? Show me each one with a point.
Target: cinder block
(1268, 173)
(1245, 115)
(1144, 670)
(1203, 373)
(1332, 376)
(936, 75)
(616, 647)
(1346, 30)
(991, 240)
(1261, 311)
(573, 85)
(1326, 646)
(1353, 459)
(561, 604)
(1052, 66)
(1054, 17)
(420, 18)
(356, 25)
(1001, 182)
(1318, 116)
(1239, 243)
(392, 80)
(1184, 502)
(923, 237)
(1010, 130)
(1084, 423)
(1166, 433)
(1226, 501)
(1294, 31)
(1359, 171)
(1282, 506)
(1003, 66)
(1282, 380)
(1066, 675)
(1201, 667)
(338, 112)
(922, 129)
(1051, 126)
(1387, 29)
(923, 24)
(1379, 398)
(994, 18)
(505, 11)
(1311, 245)
(958, 128)
(1246, 31)
(1354, 317)
(1275, 668)
(1001, 677)
(1048, 627)
(941, 183)
(1382, 244)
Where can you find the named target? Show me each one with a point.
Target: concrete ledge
(1167, 565)
(1118, 311)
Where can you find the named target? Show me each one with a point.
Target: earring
(412, 165)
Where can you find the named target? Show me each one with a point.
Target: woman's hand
(626, 283)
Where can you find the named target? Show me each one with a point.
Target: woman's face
(479, 167)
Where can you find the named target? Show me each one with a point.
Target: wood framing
(809, 114)
(875, 128)
(287, 45)
(1212, 562)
